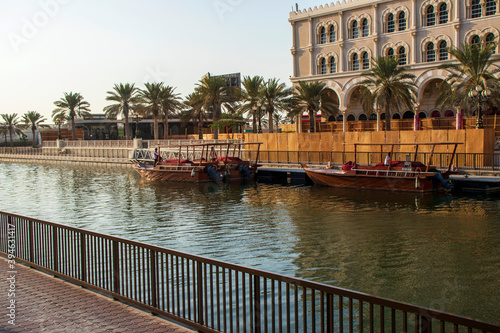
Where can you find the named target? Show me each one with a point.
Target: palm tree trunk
(216, 118)
(155, 129)
(127, 125)
(73, 127)
(254, 122)
(270, 116)
(312, 120)
(11, 139)
(165, 127)
(34, 138)
(200, 126)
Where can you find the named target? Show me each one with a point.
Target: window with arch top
(366, 60)
(490, 38)
(333, 65)
(443, 13)
(365, 28)
(402, 21)
(323, 66)
(322, 35)
(430, 53)
(443, 51)
(430, 17)
(402, 55)
(476, 8)
(475, 40)
(391, 25)
(390, 53)
(491, 7)
(355, 62)
(333, 35)
(354, 30)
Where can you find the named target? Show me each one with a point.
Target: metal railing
(211, 295)
(475, 161)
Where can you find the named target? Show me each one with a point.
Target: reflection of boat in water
(409, 175)
(195, 163)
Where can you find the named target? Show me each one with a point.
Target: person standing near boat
(213, 154)
(387, 160)
(155, 156)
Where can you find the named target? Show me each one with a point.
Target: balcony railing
(211, 295)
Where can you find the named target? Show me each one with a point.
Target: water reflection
(436, 250)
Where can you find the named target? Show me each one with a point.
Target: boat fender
(192, 173)
(418, 170)
(417, 182)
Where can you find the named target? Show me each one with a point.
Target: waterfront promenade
(48, 304)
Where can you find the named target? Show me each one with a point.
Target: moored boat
(410, 176)
(197, 163)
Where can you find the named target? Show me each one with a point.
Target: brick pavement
(48, 304)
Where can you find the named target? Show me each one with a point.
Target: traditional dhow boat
(409, 175)
(211, 162)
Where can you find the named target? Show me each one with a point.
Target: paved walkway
(47, 304)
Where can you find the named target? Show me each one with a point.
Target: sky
(49, 47)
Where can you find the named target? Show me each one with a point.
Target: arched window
(373, 116)
(391, 25)
(390, 52)
(354, 30)
(396, 116)
(449, 113)
(363, 117)
(435, 114)
(443, 13)
(364, 26)
(402, 21)
(475, 40)
(355, 62)
(322, 35)
(430, 16)
(366, 60)
(491, 7)
(408, 115)
(476, 9)
(422, 115)
(333, 65)
(490, 38)
(351, 117)
(333, 36)
(431, 53)
(402, 55)
(443, 52)
(323, 66)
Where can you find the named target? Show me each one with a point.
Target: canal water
(438, 251)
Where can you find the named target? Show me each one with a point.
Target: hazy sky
(49, 47)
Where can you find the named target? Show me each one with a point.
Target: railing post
(55, 249)
(199, 289)
(116, 268)
(154, 284)
(83, 257)
(256, 303)
(31, 242)
(425, 325)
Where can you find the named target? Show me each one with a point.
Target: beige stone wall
(307, 51)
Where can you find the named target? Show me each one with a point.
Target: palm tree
(12, 125)
(251, 96)
(125, 96)
(71, 105)
(194, 104)
(313, 97)
(151, 99)
(170, 103)
(277, 97)
(216, 96)
(473, 71)
(388, 87)
(34, 120)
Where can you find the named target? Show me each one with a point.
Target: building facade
(335, 43)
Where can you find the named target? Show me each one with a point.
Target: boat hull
(338, 178)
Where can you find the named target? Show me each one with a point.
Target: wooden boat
(410, 175)
(192, 163)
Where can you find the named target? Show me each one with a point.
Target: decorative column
(378, 120)
(310, 46)
(293, 50)
(416, 118)
(413, 31)
(376, 31)
(341, 42)
(459, 117)
(344, 118)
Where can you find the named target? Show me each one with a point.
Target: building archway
(435, 114)
(408, 115)
(449, 114)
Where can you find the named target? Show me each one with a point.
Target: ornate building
(335, 43)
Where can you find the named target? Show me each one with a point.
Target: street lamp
(479, 96)
(136, 118)
(58, 122)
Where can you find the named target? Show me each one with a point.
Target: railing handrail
(314, 286)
